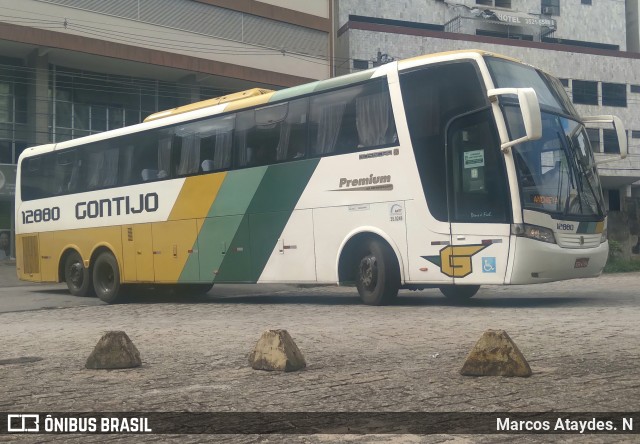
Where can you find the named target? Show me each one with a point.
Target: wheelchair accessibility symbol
(488, 264)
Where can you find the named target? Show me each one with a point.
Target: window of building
(585, 92)
(614, 94)
(6, 149)
(504, 35)
(614, 200)
(635, 88)
(610, 141)
(496, 3)
(86, 103)
(550, 7)
(635, 134)
(565, 82)
(6, 102)
(585, 2)
(360, 64)
(594, 138)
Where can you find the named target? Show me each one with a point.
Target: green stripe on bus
(237, 192)
(267, 215)
(285, 94)
(337, 82)
(222, 224)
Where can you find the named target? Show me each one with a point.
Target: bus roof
(253, 92)
(259, 96)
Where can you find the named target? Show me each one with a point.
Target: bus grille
(578, 240)
(30, 262)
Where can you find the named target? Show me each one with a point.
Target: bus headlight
(533, 232)
(603, 236)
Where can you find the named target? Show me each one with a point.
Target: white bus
(450, 170)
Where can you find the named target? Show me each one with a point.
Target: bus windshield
(556, 173)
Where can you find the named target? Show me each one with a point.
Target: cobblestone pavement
(581, 339)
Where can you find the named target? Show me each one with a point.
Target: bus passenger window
(292, 140)
(351, 119)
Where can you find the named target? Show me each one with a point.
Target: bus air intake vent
(30, 255)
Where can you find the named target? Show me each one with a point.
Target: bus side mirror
(620, 133)
(530, 110)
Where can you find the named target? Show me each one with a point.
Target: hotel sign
(520, 20)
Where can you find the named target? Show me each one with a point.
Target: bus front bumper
(537, 262)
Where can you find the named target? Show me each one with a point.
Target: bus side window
(31, 172)
(64, 170)
(292, 142)
(351, 119)
(98, 166)
(374, 117)
(216, 145)
(245, 121)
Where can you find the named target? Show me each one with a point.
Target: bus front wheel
(106, 278)
(459, 293)
(77, 276)
(377, 273)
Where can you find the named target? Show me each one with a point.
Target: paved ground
(580, 337)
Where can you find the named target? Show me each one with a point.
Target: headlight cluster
(533, 232)
(603, 236)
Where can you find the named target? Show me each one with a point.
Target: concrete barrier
(276, 351)
(114, 350)
(495, 354)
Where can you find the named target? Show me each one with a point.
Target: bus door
(478, 202)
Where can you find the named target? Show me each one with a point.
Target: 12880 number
(40, 215)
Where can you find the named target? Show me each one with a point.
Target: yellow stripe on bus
(248, 102)
(192, 202)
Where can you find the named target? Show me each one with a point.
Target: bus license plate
(582, 262)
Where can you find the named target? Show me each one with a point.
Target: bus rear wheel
(459, 293)
(377, 273)
(106, 278)
(77, 276)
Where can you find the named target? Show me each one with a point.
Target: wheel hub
(369, 272)
(76, 273)
(107, 278)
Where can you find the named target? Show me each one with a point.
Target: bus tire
(106, 278)
(77, 276)
(459, 293)
(377, 273)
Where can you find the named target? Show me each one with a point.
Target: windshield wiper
(583, 173)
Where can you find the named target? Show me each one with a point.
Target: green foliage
(622, 266)
(615, 248)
